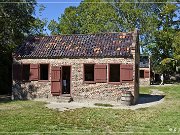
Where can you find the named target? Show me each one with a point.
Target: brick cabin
(95, 66)
(144, 69)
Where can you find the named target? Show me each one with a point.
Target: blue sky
(54, 8)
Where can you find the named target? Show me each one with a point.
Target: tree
(96, 17)
(176, 45)
(86, 18)
(68, 22)
(53, 27)
(39, 24)
(165, 52)
(16, 21)
(155, 21)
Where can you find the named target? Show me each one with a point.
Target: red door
(55, 80)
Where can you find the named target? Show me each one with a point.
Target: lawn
(20, 117)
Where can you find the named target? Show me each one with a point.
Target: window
(141, 73)
(17, 72)
(25, 72)
(114, 73)
(44, 71)
(89, 72)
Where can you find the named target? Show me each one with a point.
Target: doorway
(66, 79)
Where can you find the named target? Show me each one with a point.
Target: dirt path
(145, 100)
(74, 105)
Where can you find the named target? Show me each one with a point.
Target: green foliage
(176, 45)
(158, 24)
(16, 23)
(68, 21)
(86, 18)
(53, 27)
(38, 25)
(96, 17)
(165, 51)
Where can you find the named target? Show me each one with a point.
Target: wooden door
(55, 80)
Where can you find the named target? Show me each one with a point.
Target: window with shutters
(44, 71)
(34, 72)
(25, 72)
(141, 73)
(89, 73)
(126, 72)
(146, 73)
(114, 72)
(100, 72)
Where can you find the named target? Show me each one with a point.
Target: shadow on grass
(147, 98)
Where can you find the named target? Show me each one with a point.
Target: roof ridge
(86, 34)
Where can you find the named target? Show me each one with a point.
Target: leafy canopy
(17, 22)
(157, 22)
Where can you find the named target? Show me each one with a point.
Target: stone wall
(79, 89)
(144, 81)
(31, 90)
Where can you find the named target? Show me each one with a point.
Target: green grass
(32, 117)
(104, 105)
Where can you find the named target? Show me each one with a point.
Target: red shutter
(146, 73)
(55, 80)
(34, 72)
(126, 72)
(100, 73)
(17, 72)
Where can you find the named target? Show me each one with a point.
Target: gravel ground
(145, 100)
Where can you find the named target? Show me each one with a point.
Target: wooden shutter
(100, 73)
(126, 72)
(17, 72)
(146, 73)
(55, 81)
(34, 72)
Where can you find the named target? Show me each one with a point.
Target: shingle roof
(91, 45)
